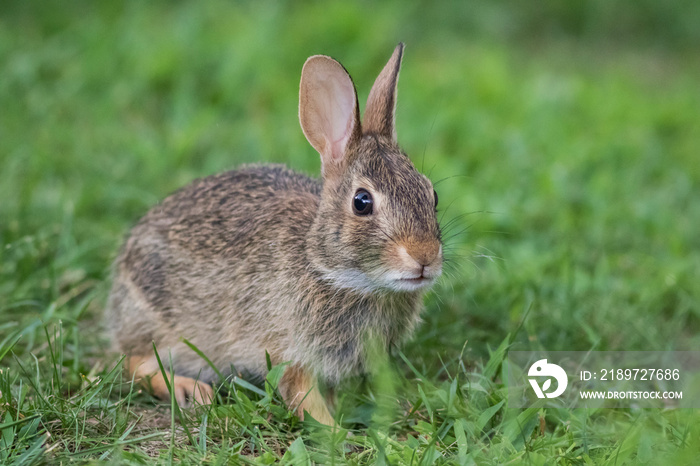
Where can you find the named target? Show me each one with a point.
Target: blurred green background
(562, 137)
(569, 131)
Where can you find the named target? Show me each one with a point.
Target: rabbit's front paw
(300, 391)
(187, 390)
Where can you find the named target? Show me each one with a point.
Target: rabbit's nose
(424, 252)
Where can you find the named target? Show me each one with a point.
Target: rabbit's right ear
(328, 111)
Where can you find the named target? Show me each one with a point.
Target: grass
(564, 147)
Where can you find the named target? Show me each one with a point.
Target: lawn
(563, 142)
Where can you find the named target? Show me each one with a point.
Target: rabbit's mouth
(413, 284)
(398, 281)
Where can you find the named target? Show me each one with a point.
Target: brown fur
(265, 259)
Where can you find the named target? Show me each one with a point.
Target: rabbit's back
(202, 263)
(237, 213)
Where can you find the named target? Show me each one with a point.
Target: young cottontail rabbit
(263, 259)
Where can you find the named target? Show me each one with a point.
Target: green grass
(564, 143)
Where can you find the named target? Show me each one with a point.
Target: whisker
(466, 214)
(449, 231)
(450, 177)
(431, 170)
(446, 209)
(460, 232)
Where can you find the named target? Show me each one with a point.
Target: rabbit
(263, 259)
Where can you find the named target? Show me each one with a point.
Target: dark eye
(436, 198)
(362, 202)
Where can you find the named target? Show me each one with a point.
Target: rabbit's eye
(436, 198)
(362, 202)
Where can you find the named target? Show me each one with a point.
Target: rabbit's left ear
(381, 103)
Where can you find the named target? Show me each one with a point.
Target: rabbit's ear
(381, 103)
(328, 110)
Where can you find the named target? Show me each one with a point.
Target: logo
(542, 368)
